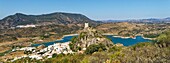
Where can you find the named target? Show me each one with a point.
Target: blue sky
(94, 9)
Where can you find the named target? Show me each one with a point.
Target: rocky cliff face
(45, 19)
(88, 37)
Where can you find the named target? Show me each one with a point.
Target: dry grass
(4, 48)
(12, 55)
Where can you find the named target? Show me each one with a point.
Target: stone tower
(86, 25)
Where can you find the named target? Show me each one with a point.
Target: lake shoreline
(57, 39)
(133, 37)
(61, 38)
(70, 35)
(66, 36)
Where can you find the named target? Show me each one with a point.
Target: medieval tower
(86, 25)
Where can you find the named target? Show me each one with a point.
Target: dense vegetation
(164, 39)
(94, 48)
(146, 52)
(151, 35)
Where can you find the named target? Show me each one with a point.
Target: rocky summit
(87, 37)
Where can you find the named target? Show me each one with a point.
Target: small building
(86, 25)
(25, 26)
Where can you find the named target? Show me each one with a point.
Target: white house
(86, 25)
(25, 26)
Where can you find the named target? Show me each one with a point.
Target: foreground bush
(164, 39)
(94, 48)
(142, 53)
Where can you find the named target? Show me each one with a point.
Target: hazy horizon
(94, 9)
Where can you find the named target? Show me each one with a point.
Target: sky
(94, 9)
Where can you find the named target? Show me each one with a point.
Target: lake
(124, 41)
(128, 41)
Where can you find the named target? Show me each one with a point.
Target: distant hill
(150, 20)
(128, 29)
(44, 19)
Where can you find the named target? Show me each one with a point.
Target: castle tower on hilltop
(86, 25)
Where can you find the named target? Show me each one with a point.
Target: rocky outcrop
(88, 37)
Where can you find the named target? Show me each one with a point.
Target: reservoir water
(128, 41)
(124, 41)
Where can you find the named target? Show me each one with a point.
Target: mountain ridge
(44, 19)
(149, 20)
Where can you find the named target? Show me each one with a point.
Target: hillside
(146, 52)
(44, 19)
(87, 37)
(130, 29)
(21, 37)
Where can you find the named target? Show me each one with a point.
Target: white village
(57, 48)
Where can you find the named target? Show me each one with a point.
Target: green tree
(54, 55)
(94, 48)
(164, 39)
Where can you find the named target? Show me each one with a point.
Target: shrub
(164, 39)
(151, 35)
(142, 44)
(54, 55)
(94, 48)
(115, 48)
